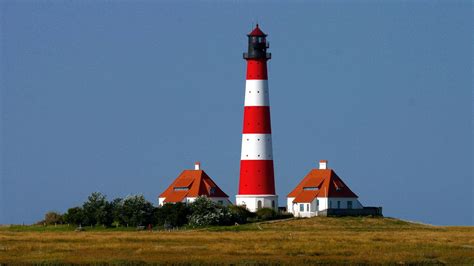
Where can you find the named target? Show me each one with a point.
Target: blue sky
(120, 97)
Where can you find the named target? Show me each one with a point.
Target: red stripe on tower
(257, 182)
(257, 120)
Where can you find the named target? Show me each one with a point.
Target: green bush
(285, 215)
(205, 212)
(240, 214)
(172, 214)
(266, 214)
(53, 218)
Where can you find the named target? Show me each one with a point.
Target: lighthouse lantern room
(257, 184)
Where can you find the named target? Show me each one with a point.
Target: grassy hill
(315, 240)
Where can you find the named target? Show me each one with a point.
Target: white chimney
(197, 166)
(323, 164)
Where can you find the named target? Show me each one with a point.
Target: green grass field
(316, 240)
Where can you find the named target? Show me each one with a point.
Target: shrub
(172, 215)
(206, 212)
(266, 214)
(285, 215)
(240, 214)
(53, 218)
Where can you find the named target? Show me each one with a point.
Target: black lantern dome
(258, 45)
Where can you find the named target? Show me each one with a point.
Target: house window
(181, 188)
(310, 188)
(259, 204)
(301, 207)
(349, 204)
(213, 190)
(330, 204)
(317, 202)
(307, 207)
(338, 204)
(220, 202)
(273, 204)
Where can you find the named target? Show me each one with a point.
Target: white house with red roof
(191, 184)
(320, 190)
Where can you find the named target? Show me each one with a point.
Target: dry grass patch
(315, 240)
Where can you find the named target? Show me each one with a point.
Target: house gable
(192, 183)
(323, 183)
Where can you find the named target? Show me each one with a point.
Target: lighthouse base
(255, 202)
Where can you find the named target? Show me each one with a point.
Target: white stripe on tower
(256, 147)
(256, 92)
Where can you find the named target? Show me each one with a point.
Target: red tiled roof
(306, 196)
(198, 184)
(257, 32)
(183, 182)
(328, 184)
(176, 196)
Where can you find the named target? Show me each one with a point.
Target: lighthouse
(257, 182)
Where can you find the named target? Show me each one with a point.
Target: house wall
(306, 212)
(324, 204)
(332, 204)
(289, 205)
(161, 201)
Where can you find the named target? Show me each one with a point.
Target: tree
(172, 214)
(74, 216)
(116, 206)
(95, 209)
(137, 211)
(206, 212)
(53, 218)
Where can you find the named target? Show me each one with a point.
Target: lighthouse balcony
(267, 56)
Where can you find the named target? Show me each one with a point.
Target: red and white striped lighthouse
(257, 183)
